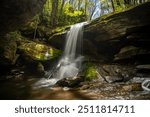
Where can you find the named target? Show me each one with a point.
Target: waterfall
(69, 64)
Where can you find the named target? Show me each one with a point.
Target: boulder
(112, 79)
(36, 57)
(33, 51)
(116, 73)
(70, 82)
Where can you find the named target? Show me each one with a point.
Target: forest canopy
(67, 12)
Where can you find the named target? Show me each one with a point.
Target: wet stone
(69, 82)
(147, 66)
(132, 87)
(112, 79)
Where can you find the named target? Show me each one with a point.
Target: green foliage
(46, 13)
(90, 72)
(69, 12)
(71, 15)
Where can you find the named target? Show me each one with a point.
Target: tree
(79, 4)
(92, 5)
(54, 13)
(118, 2)
(113, 6)
(67, 12)
(61, 7)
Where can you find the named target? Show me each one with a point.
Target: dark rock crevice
(15, 13)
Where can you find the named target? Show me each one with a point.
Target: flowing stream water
(69, 64)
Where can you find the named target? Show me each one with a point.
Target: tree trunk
(118, 2)
(107, 2)
(112, 3)
(54, 13)
(94, 8)
(79, 4)
(62, 6)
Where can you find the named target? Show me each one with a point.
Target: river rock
(132, 87)
(116, 73)
(69, 82)
(112, 79)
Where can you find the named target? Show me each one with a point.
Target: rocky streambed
(109, 84)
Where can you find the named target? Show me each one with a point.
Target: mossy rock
(90, 72)
(37, 51)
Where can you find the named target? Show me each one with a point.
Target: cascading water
(70, 63)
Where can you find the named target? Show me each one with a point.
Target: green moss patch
(90, 72)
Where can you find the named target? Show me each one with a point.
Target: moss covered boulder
(34, 51)
(36, 57)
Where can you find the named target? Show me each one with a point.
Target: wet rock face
(14, 13)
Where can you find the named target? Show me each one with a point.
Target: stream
(23, 87)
